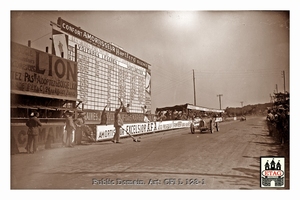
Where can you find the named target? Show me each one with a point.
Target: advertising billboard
(106, 73)
(107, 132)
(38, 73)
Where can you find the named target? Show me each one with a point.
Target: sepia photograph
(150, 99)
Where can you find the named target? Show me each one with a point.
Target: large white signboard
(107, 132)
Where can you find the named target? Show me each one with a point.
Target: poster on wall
(60, 44)
(38, 73)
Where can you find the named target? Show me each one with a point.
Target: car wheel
(217, 127)
(211, 127)
(192, 129)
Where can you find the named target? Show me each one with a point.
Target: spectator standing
(118, 123)
(79, 123)
(287, 124)
(126, 109)
(33, 125)
(145, 113)
(281, 123)
(270, 121)
(70, 127)
(104, 117)
(123, 108)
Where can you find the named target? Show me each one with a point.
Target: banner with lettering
(38, 73)
(107, 132)
(82, 34)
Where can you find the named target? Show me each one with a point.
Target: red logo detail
(275, 173)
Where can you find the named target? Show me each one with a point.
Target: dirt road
(177, 159)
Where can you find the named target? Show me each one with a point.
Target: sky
(239, 54)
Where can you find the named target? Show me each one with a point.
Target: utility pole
(194, 88)
(276, 88)
(283, 75)
(242, 107)
(220, 95)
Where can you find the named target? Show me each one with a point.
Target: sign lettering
(39, 72)
(77, 32)
(105, 132)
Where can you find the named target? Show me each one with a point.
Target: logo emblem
(272, 172)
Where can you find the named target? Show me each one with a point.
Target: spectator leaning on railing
(278, 123)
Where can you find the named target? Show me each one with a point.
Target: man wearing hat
(33, 124)
(79, 122)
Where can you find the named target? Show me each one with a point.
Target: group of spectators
(182, 115)
(170, 115)
(75, 128)
(278, 121)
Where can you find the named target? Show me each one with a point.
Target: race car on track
(243, 118)
(205, 124)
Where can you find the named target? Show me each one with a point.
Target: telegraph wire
(41, 37)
